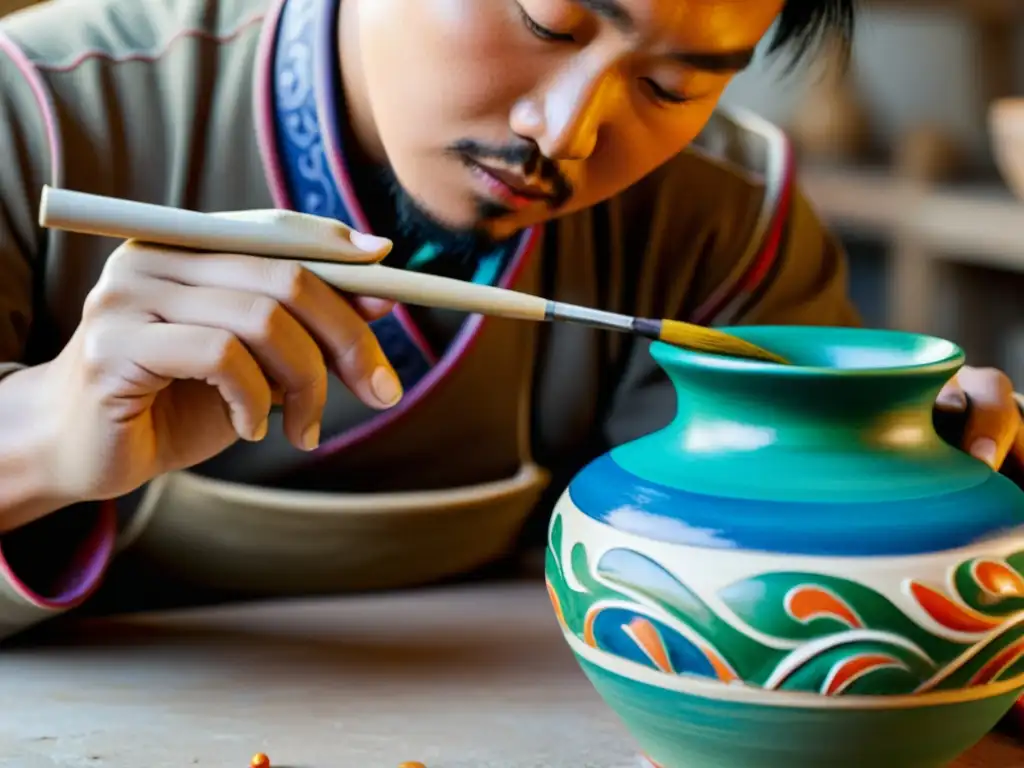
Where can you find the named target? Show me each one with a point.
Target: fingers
(279, 344)
(951, 398)
(995, 419)
(1017, 449)
(171, 352)
(350, 347)
(348, 245)
(370, 308)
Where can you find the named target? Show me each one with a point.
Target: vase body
(797, 571)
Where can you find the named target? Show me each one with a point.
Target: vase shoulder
(800, 470)
(940, 517)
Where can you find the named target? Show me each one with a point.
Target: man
(569, 148)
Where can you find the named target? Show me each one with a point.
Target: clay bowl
(1006, 128)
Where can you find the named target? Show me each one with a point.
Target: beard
(418, 225)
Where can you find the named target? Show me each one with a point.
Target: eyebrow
(727, 61)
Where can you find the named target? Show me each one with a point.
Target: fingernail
(951, 401)
(386, 386)
(369, 243)
(261, 430)
(311, 437)
(984, 448)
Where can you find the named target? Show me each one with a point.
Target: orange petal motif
(806, 603)
(851, 670)
(646, 635)
(999, 663)
(555, 603)
(998, 578)
(949, 614)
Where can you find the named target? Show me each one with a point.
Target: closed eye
(542, 32)
(665, 95)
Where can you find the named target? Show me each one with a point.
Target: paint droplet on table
(259, 760)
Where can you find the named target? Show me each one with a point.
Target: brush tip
(701, 339)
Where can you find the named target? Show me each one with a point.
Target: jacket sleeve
(716, 266)
(52, 565)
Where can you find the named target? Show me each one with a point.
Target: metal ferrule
(595, 318)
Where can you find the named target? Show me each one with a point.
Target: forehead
(699, 25)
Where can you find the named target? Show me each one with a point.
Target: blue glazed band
(833, 455)
(606, 492)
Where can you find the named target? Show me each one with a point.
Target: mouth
(509, 188)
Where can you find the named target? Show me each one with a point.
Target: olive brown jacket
(180, 102)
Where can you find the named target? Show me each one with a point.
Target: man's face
(494, 115)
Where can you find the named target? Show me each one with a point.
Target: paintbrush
(84, 213)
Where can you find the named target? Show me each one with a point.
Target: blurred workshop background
(909, 159)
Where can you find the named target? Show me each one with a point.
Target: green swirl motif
(796, 631)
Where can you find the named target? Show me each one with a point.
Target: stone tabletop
(470, 676)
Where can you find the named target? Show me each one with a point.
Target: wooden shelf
(982, 225)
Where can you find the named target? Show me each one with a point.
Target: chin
(505, 229)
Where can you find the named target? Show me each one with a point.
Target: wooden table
(457, 677)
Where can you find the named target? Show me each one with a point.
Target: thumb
(349, 244)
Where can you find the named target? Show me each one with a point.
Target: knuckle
(313, 377)
(359, 352)
(225, 350)
(99, 351)
(289, 280)
(127, 258)
(993, 374)
(996, 384)
(112, 291)
(264, 317)
(985, 383)
(102, 298)
(118, 280)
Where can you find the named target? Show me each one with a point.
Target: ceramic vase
(797, 572)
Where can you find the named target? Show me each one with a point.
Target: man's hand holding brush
(181, 353)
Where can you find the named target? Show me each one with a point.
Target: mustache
(524, 156)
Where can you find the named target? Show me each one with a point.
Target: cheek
(633, 148)
(441, 72)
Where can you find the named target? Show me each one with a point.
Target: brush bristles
(701, 339)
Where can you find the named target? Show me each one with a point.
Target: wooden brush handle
(428, 290)
(162, 225)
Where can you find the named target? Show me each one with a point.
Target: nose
(565, 117)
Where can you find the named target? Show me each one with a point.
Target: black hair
(805, 23)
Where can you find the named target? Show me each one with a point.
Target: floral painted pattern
(795, 631)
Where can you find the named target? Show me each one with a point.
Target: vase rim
(908, 352)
